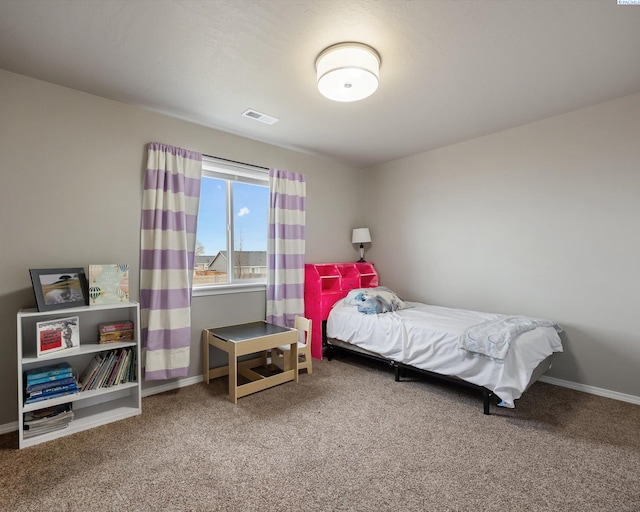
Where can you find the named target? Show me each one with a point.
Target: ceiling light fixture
(348, 71)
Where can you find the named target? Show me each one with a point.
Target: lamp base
(361, 260)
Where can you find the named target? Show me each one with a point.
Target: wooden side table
(243, 339)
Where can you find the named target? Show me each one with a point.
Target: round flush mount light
(348, 71)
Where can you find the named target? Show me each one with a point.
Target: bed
(497, 354)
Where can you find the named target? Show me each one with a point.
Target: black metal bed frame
(399, 367)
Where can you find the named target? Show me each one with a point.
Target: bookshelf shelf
(90, 408)
(85, 348)
(82, 395)
(87, 418)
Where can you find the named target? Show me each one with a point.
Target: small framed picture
(59, 334)
(59, 288)
(108, 284)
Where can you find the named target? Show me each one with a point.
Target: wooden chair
(280, 355)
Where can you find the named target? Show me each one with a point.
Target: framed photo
(108, 283)
(59, 334)
(59, 288)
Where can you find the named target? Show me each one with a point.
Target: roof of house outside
(203, 259)
(246, 259)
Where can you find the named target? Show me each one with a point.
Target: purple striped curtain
(167, 244)
(285, 247)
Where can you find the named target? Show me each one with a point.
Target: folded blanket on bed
(373, 301)
(493, 337)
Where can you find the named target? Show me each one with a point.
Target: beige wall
(71, 189)
(541, 220)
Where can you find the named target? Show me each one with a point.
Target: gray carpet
(345, 438)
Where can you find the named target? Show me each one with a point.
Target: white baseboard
(170, 386)
(592, 390)
(188, 381)
(8, 427)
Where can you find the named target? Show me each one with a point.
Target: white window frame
(232, 172)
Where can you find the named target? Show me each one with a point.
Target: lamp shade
(348, 71)
(360, 236)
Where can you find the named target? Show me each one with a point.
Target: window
(231, 237)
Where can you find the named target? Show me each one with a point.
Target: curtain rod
(236, 162)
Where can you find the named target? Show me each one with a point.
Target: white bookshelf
(90, 408)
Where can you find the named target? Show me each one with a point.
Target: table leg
(233, 374)
(293, 359)
(205, 356)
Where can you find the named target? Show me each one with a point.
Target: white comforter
(428, 337)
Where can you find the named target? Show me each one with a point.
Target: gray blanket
(493, 338)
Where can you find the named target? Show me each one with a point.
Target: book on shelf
(115, 368)
(54, 387)
(58, 334)
(124, 370)
(95, 377)
(109, 369)
(41, 398)
(121, 330)
(58, 380)
(51, 372)
(47, 380)
(50, 383)
(120, 325)
(98, 376)
(113, 336)
(54, 392)
(90, 371)
(133, 368)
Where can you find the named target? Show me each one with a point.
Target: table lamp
(361, 236)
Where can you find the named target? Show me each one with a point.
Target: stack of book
(109, 332)
(49, 382)
(47, 420)
(109, 369)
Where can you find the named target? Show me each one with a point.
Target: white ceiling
(451, 69)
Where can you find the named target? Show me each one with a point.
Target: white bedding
(428, 337)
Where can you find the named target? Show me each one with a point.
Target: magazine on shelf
(47, 412)
(47, 420)
(58, 334)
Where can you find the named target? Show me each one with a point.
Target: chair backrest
(304, 329)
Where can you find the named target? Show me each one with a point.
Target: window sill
(225, 289)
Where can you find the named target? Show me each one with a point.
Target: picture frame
(59, 288)
(58, 334)
(108, 283)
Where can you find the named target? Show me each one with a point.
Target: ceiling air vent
(259, 116)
